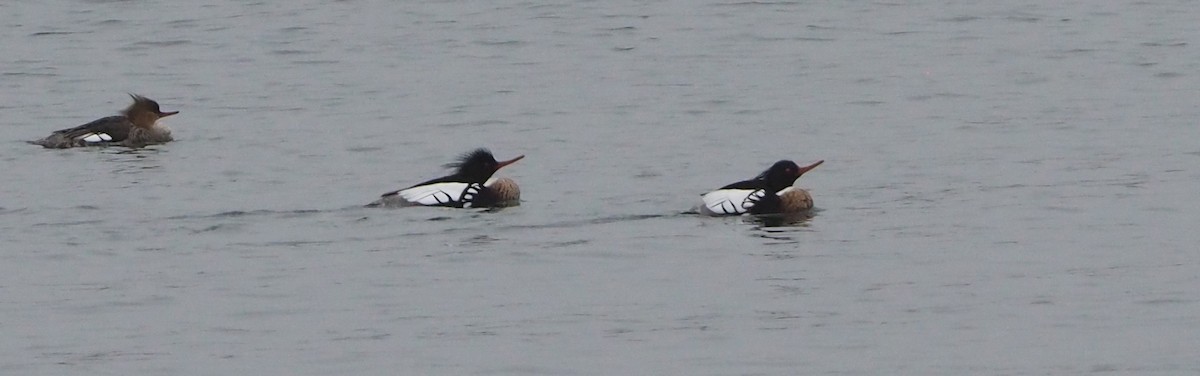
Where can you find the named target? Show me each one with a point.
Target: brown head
(144, 112)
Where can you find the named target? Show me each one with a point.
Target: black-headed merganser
(771, 192)
(136, 126)
(470, 186)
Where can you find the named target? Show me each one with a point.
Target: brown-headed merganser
(771, 192)
(136, 126)
(470, 186)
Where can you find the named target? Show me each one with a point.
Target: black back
(116, 126)
(780, 175)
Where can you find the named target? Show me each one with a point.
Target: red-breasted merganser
(771, 192)
(136, 126)
(471, 186)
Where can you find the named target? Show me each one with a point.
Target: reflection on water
(782, 220)
(780, 228)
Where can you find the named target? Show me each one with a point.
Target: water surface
(1008, 189)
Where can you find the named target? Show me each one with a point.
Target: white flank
(434, 194)
(732, 201)
(96, 137)
(448, 193)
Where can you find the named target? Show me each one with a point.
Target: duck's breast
(793, 200)
(504, 192)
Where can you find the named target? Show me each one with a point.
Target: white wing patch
(96, 137)
(732, 201)
(441, 194)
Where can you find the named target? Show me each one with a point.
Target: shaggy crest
(477, 157)
(141, 103)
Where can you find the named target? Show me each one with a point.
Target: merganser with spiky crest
(771, 192)
(470, 186)
(136, 126)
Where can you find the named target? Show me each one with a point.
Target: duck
(136, 126)
(470, 186)
(771, 192)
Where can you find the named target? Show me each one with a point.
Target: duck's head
(478, 165)
(784, 173)
(144, 112)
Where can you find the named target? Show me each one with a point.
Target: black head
(479, 165)
(784, 173)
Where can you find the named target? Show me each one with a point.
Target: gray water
(1009, 188)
